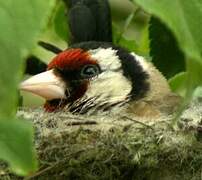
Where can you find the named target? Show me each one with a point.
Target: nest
(110, 147)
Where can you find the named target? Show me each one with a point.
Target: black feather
(82, 23)
(89, 20)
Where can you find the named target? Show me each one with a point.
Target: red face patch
(71, 59)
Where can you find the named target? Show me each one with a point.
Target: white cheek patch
(110, 87)
(106, 58)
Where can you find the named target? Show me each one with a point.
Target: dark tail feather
(89, 20)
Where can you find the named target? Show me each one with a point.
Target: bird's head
(85, 79)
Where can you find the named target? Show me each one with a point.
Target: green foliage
(20, 22)
(178, 83)
(143, 45)
(16, 145)
(126, 25)
(120, 40)
(61, 22)
(118, 35)
(166, 55)
(184, 19)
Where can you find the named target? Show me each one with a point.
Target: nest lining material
(110, 147)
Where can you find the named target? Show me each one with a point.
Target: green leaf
(197, 93)
(61, 22)
(128, 44)
(178, 83)
(166, 55)
(184, 19)
(122, 41)
(21, 22)
(16, 146)
(126, 25)
(143, 45)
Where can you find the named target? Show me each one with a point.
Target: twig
(81, 123)
(138, 122)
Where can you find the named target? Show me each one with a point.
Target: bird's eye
(90, 71)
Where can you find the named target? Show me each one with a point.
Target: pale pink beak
(46, 85)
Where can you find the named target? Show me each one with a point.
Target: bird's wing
(160, 107)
